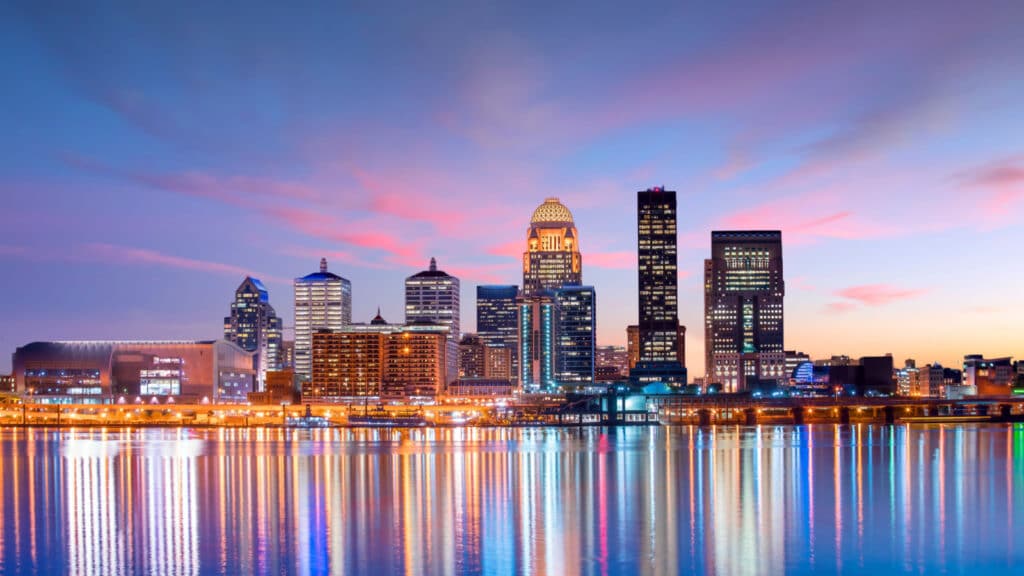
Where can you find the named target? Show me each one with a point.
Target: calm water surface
(736, 500)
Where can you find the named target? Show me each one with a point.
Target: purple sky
(151, 157)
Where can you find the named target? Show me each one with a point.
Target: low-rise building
(102, 371)
(987, 376)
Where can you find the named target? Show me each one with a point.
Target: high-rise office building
(537, 342)
(658, 330)
(432, 296)
(552, 258)
(496, 320)
(255, 327)
(743, 312)
(323, 301)
(576, 335)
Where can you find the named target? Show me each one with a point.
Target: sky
(154, 153)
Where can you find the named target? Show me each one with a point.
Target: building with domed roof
(552, 258)
(556, 317)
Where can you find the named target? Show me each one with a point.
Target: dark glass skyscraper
(576, 306)
(658, 277)
(496, 319)
(743, 313)
(255, 327)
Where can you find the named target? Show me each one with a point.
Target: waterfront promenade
(536, 410)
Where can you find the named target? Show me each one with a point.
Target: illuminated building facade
(477, 360)
(323, 301)
(658, 331)
(472, 352)
(345, 364)
(415, 363)
(908, 379)
(987, 376)
(537, 342)
(610, 363)
(101, 371)
(552, 258)
(496, 320)
(287, 355)
(743, 310)
(576, 336)
(432, 296)
(255, 327)
(378, 359)
(8, 383)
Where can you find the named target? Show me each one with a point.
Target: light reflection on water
(736, 500)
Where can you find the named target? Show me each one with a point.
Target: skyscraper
(537, 340)
(323, 301)
(743, 313)
(658, 329)
(255, 327)
(496, 314)
(576, 334)
(432, 296)
(552, 258)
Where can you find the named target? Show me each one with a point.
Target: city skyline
(896, 203)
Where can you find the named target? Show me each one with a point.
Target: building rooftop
(432, 272)
(552, 210)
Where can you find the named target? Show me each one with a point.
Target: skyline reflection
(724, 500)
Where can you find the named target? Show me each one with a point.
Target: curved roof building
(552, 258)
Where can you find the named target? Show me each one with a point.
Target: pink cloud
(116, 254)
(804, 219)
(877, 294)
(840, 307)
(1001, 182)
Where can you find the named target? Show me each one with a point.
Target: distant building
(323, 301)
(907, 379)
(633, 345)
(8, 383)
(254, 326)
(794, 359)
(931, 381)
(432, 296)
(102, 371)
(279, 389)
(287, 355)
(987, 376)
(552, 258)
(952, 379)
(659, 357)
(869, 376)
(611, 363)
(471, 357)
(743, 309)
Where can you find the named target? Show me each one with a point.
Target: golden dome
(551, 211)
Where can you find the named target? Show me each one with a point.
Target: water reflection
(742, 500)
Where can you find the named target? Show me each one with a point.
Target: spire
(323, 264)
(433, 264)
